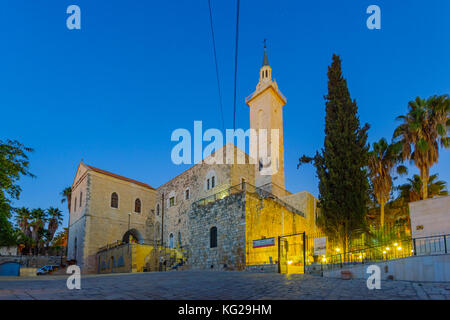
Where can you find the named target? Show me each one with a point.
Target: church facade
(219, 213)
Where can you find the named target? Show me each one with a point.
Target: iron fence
(431, 245)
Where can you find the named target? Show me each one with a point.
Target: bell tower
(266, 118)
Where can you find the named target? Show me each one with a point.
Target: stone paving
(215, 285)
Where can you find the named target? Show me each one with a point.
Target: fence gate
(291, 253)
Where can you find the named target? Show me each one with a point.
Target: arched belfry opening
(133, 235)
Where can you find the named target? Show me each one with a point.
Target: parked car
(47, 269)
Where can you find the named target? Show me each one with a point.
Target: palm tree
(383, 159)
(38, 221)
(66, 196)
(423, 128)
(410, 191)
(23, 216)
(54, 219)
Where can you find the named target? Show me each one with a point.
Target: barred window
(137, 206)
(114, 200)
(213, 237)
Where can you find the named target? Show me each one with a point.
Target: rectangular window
(171, 201)
(207, 184)
(242, 183)
(187, 194)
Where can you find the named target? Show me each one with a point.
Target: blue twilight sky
(113, 92)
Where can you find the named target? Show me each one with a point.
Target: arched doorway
(134, 235)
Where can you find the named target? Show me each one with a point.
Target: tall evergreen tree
(341, 164)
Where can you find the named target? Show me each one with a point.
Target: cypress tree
(341, 164)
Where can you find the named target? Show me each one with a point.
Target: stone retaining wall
(33, 261)
(228, 216)
(434, 268)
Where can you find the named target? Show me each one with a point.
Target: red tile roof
(119, 177)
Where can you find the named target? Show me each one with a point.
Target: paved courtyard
(214, 285)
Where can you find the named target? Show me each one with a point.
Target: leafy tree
(60, 240)
(13, 164)
(423, 128)
(382, 159)
(66, 196)
(340, 167)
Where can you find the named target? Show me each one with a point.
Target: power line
(217, 67)
(235, 63)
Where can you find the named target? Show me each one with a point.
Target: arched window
(211, 180)
(213, 237)
(137, 206)
(114, 200)
(171, 241)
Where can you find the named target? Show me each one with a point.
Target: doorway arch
(135, 234)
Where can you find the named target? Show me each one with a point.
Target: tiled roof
(119, 177)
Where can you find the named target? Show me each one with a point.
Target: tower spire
(265, 59)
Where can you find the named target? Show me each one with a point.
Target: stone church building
(226, 216)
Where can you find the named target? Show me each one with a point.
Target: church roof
(119, 177)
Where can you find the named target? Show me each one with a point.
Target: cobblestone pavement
(215, 285)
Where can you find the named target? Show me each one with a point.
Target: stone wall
(134, 257)
(267, 218)
(228, 216)
(33, 261)
(8, 251)
(435, 268)
(306, 203)
(430, 217)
